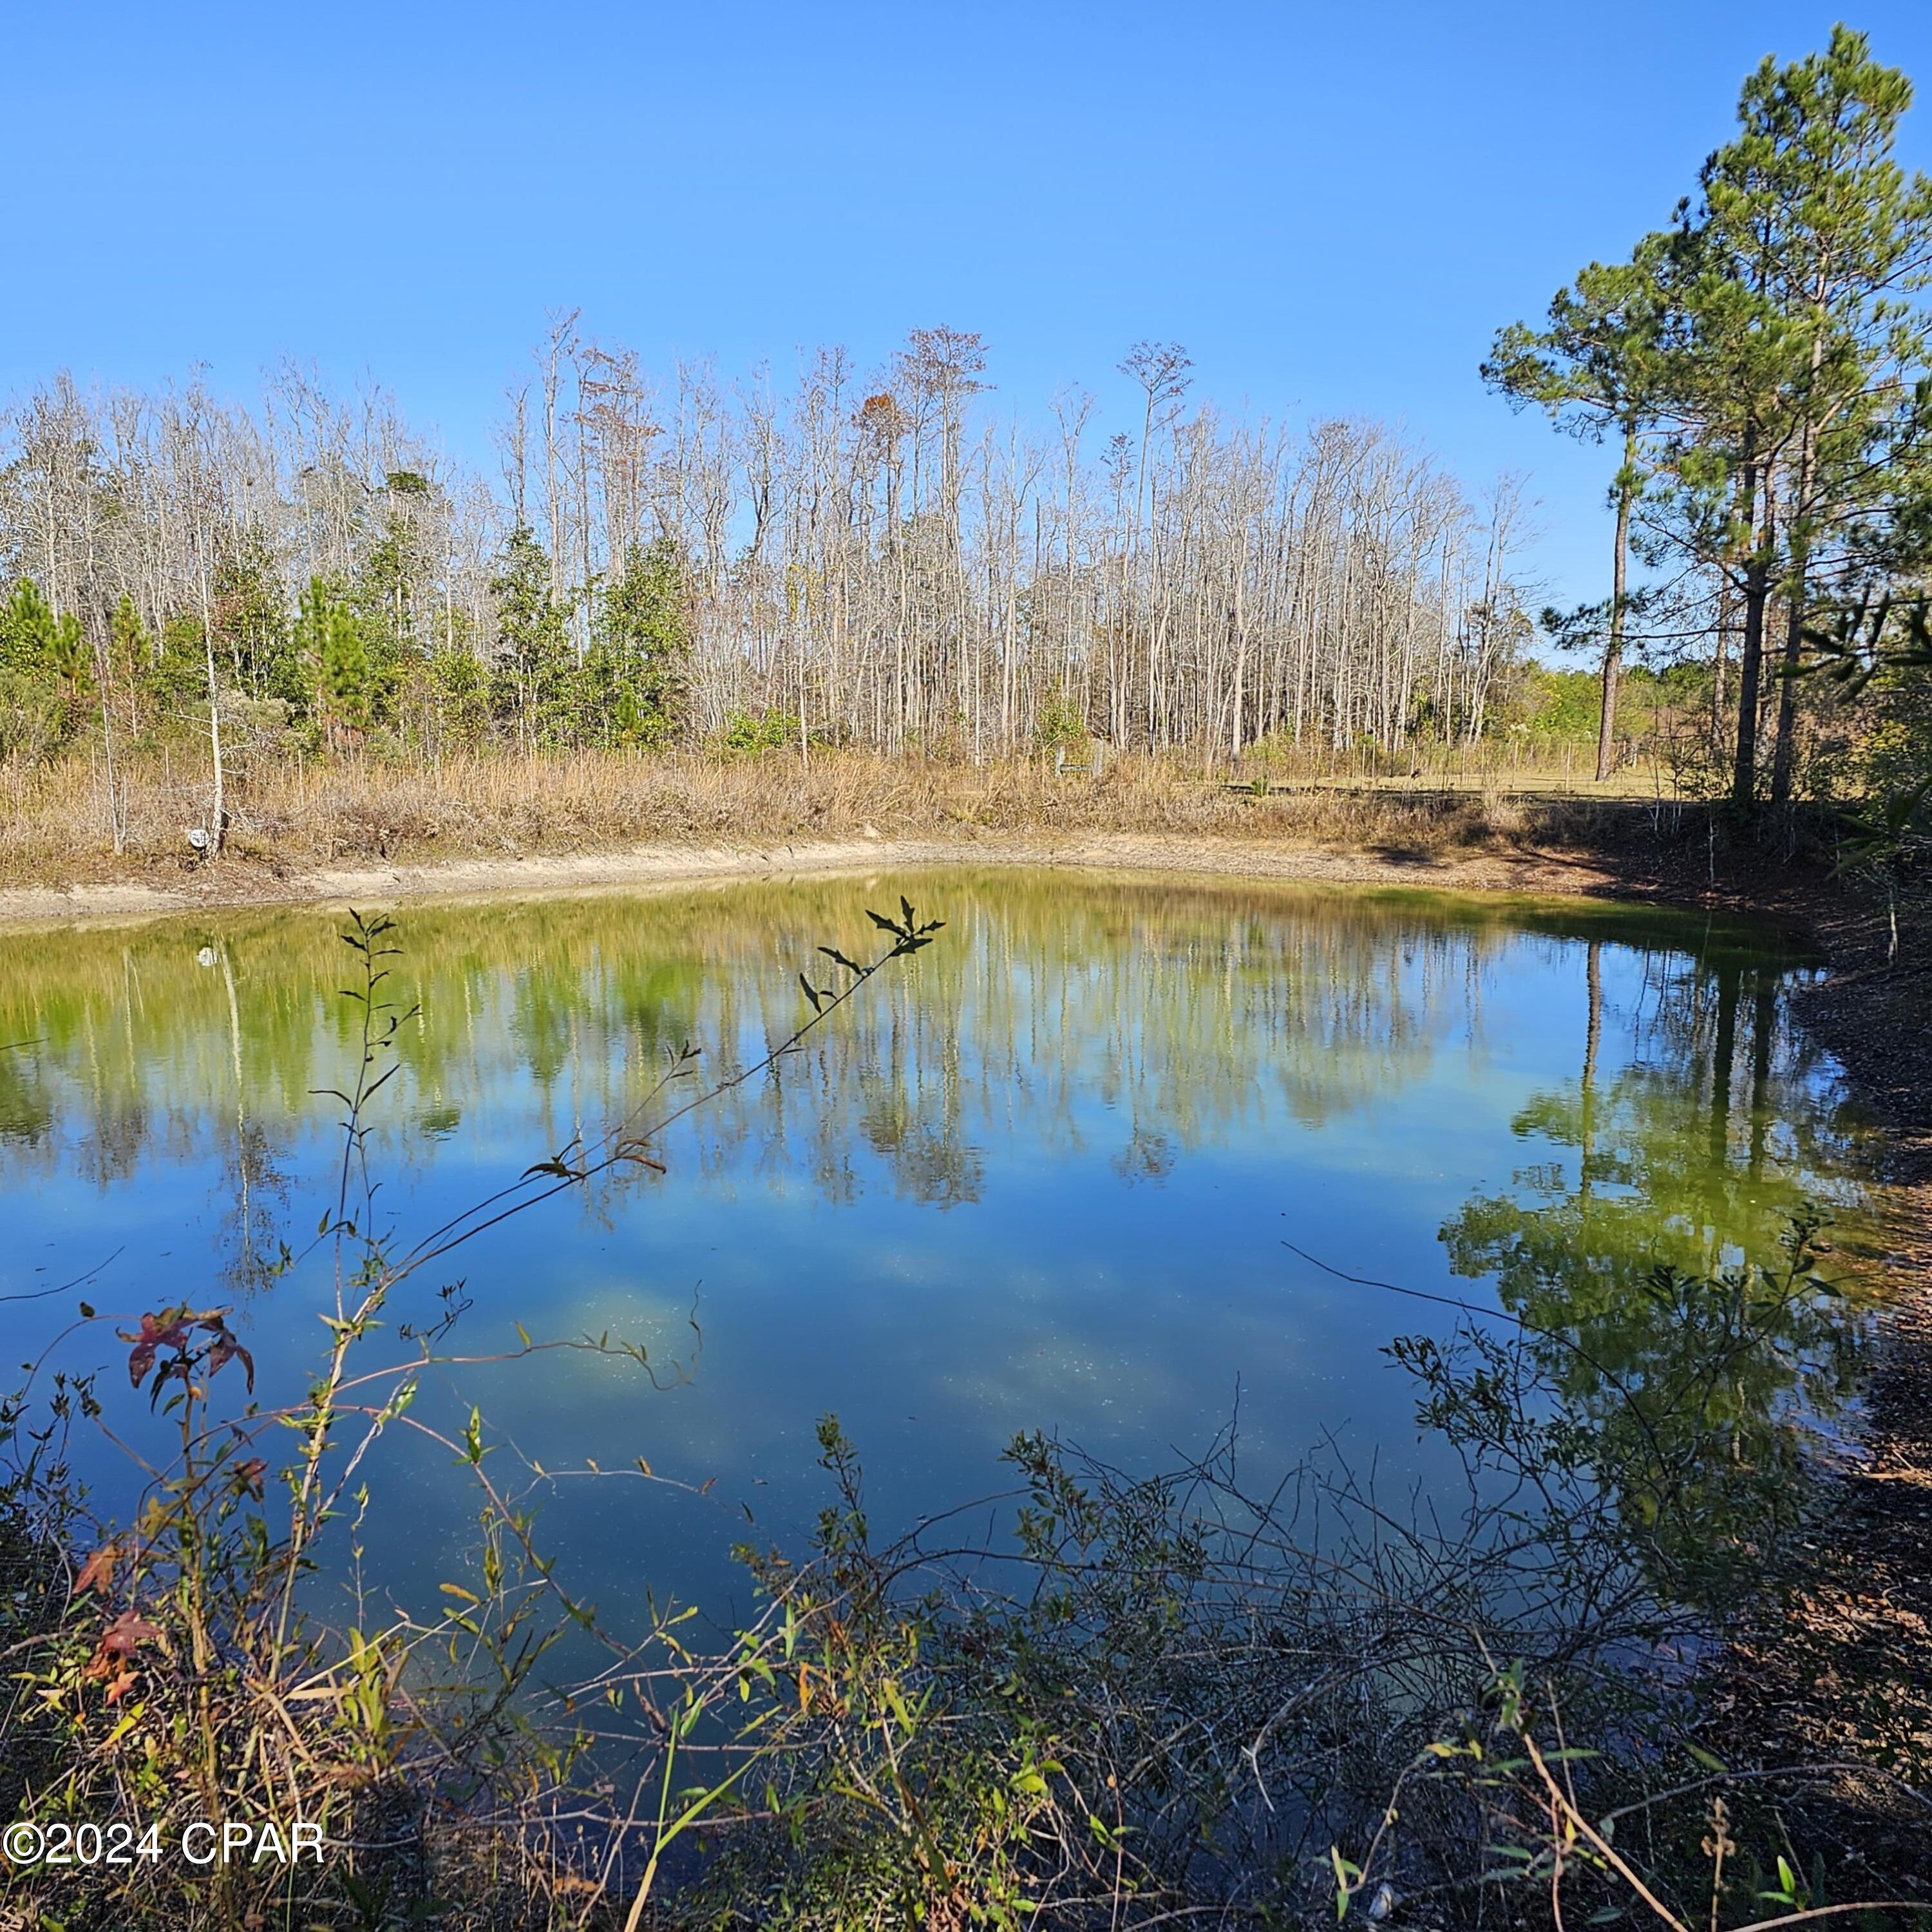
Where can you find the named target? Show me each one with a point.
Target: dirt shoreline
(1843, 1674)
(241, 883)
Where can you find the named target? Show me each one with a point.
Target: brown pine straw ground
(1844, 1676)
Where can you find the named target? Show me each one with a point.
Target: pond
(1046, 1174)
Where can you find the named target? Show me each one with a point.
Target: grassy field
(63, 826)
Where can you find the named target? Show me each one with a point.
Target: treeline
(888, 559)
(883, 562)
(1761, 369)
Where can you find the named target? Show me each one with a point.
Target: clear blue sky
(1333, 207)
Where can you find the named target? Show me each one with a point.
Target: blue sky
(1332, 207)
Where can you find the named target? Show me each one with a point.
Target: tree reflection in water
(1039, 1182)
(1665, 1262)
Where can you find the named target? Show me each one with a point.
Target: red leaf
(226, 1349)
(128, 1633)
(97, 1572)
(165, 1330)
(111, 1660)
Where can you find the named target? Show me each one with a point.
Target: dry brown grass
(289, 815)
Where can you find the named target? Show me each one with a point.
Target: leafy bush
(748, 733)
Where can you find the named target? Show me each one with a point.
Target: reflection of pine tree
(1078, 1015)
(1650, 1180)
(1645, 1260)
(27, 1105)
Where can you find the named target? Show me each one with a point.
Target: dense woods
(882, 561)
(896, 559)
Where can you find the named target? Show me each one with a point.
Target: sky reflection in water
(1039, 1178)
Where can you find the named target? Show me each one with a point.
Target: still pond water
(1042, 1176)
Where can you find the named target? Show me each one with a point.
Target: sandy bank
(239, 883)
